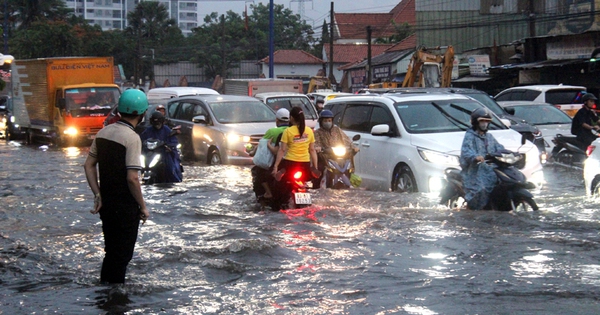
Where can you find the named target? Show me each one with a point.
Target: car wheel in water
(214, 158)
(403, 180)
(456, 203)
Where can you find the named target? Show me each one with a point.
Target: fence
(195, 75)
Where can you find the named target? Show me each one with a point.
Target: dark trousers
(120, 228)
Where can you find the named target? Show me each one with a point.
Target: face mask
(483, 126)
(327, 125)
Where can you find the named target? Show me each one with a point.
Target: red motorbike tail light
(590, 149)
(298, 175)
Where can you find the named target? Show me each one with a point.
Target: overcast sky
(315, 10)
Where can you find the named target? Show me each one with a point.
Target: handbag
(263, 157)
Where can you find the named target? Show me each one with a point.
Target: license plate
(302, 198)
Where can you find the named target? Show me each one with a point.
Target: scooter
(339, 166)
(568, 151)
(291, 189)
(511, 191)
(153, 161)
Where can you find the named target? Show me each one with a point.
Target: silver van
(165, 93)
(287, 100)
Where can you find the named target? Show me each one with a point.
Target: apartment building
(112, 14)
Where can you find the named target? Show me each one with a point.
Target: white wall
(291, 69)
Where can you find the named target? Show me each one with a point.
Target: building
(112, 14)
(292, 64)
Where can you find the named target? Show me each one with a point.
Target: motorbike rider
(158, 130)
(328, 135)
(585, 121)
(479, 178)
(262, 178)
(161, 108)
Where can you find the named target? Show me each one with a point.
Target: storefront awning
(471, 79)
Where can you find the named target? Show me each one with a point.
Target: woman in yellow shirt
(296, 148)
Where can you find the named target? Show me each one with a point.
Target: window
(185, 111)
(356, 118)
(172, 109)
(381, 116)
(564, 96)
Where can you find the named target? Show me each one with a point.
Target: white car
(565, 97)
(409, 140)
(287, 100)
(549, 119)
(591, 169)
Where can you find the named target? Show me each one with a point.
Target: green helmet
(133, 102)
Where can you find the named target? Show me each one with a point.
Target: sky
(315, 11)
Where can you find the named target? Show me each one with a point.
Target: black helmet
(480, 114)
(157, 119)
(588, 96)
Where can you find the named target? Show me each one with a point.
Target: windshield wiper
(464, 110)
(453, 120)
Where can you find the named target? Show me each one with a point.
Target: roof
(293, 57)
(354, 25)
(540, 64)
(408, 43)
(385, 58)
(346, 53)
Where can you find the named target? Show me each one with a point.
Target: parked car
(217, 128)
(546, 117)
(408, 140)
(532, 133)
(565, 97)
(287, 100)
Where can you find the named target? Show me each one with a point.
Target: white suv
(408, 140)
(565, 97)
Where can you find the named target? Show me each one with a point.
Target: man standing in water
(118, 196)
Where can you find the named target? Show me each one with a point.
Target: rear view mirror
(380, 130)
(200, 119)
(61, 103)
(506, 122)
(523, 139)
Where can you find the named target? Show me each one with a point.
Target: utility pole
(223, 56)
(271, 40)
(5, 27)
(531, 18)
(331, 76)
(369, 32)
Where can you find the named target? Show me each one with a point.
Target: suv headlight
(438, 157)
(234, 138)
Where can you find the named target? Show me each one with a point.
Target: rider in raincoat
(158, 130)
(478, 177)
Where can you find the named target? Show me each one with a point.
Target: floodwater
(209, 249)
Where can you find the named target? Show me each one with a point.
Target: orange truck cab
(63, 100)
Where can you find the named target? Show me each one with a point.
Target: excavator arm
(422, 57)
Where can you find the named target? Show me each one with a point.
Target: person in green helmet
(111, 169)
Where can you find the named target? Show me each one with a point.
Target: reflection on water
(210, 249)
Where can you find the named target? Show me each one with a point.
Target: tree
(26, 12)
(45, 39)
(402, 31)
(150, 27)
(220, 43)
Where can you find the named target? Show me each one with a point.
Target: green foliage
(402, 31)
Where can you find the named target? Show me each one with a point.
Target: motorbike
(291, 189)
(511, 191)
(339, 166)
(568, 151)
(153, 161)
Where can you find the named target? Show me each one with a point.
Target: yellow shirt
(297, 146)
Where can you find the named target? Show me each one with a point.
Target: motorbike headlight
(12, 119)
(509, 158)
(71, 131)
(151, 145)
(438, 157)
(339, 151)
(155, 160)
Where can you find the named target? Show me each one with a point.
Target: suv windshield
(564, 96)
(440, 116)
(91, 101)
(288, 102)
(242, 112)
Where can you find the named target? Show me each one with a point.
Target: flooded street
(209, 249)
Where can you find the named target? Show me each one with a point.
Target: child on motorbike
(158, 130)
(479, 178)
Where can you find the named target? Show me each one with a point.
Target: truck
(251, 87)
(428, 67)
(62, 100)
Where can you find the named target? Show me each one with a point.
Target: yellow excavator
(318, 83)
(429, 69)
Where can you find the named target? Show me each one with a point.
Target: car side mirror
(62, 104)
(510, 110)
(506, 122)
(200, 119)
(380, 130)
(523, 139)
